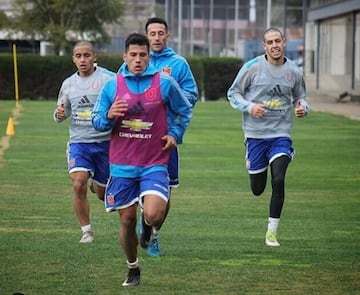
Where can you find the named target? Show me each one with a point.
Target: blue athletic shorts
(90, 157)
(124, 192)
(173, 167)
(261, 152)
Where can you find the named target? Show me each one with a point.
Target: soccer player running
(148, 115)
(87, 150)
(167, 61)
(265, 90)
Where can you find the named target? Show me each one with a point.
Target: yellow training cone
(10, 130)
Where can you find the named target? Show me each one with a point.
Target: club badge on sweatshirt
(166, 70)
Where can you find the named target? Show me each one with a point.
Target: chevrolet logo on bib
(136, 124)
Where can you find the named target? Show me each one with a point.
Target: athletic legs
(278, 171)
(127, 232)
(258, 183)
(81, 204)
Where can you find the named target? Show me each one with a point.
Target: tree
(63, 22)
(3, 19)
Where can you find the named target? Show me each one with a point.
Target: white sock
(134, 264)
(273, 224)
(86, 228)
(155, 233)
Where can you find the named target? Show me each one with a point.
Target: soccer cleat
(133, 277)
(146, 232)
(153, 249)
(270, 239)
(87, 237)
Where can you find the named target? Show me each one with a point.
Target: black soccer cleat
(133, 278)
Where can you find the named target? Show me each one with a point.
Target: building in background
(231, 27)
(332, 46)
(323, 36)
(24, 45)
(198, 27)
(134, 19)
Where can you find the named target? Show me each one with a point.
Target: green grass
(213, 239)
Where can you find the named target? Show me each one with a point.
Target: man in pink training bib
(148, 115)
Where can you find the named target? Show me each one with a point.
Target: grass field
(213, 239)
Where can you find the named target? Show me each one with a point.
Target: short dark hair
(84, 43)
(136, 39)
(156, 20)
(273, 29)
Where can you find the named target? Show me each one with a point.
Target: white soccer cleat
(270, 239)
(87, 237)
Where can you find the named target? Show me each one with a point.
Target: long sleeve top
(279, 88)
(78, 95)
(169, 62)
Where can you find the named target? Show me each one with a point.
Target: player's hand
(258, 110)
(118, 109)
(169, 142)
(60, 111)
(299, 110)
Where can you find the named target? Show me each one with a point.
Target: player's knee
(258, 183)
(155, 219)
(79, 187)
(152, 219)
(257, 189)
(257, 193)
(278, 182)
(128, 221)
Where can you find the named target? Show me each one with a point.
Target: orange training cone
(10, 130)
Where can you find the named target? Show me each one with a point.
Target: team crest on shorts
(72, 162)
(110, 199)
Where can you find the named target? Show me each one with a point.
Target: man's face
(137, 58)
(274, 46)
(157, 35)
(84, 58)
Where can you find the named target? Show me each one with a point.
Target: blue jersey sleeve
(187, 82)
(102, 106)
(179, 109)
